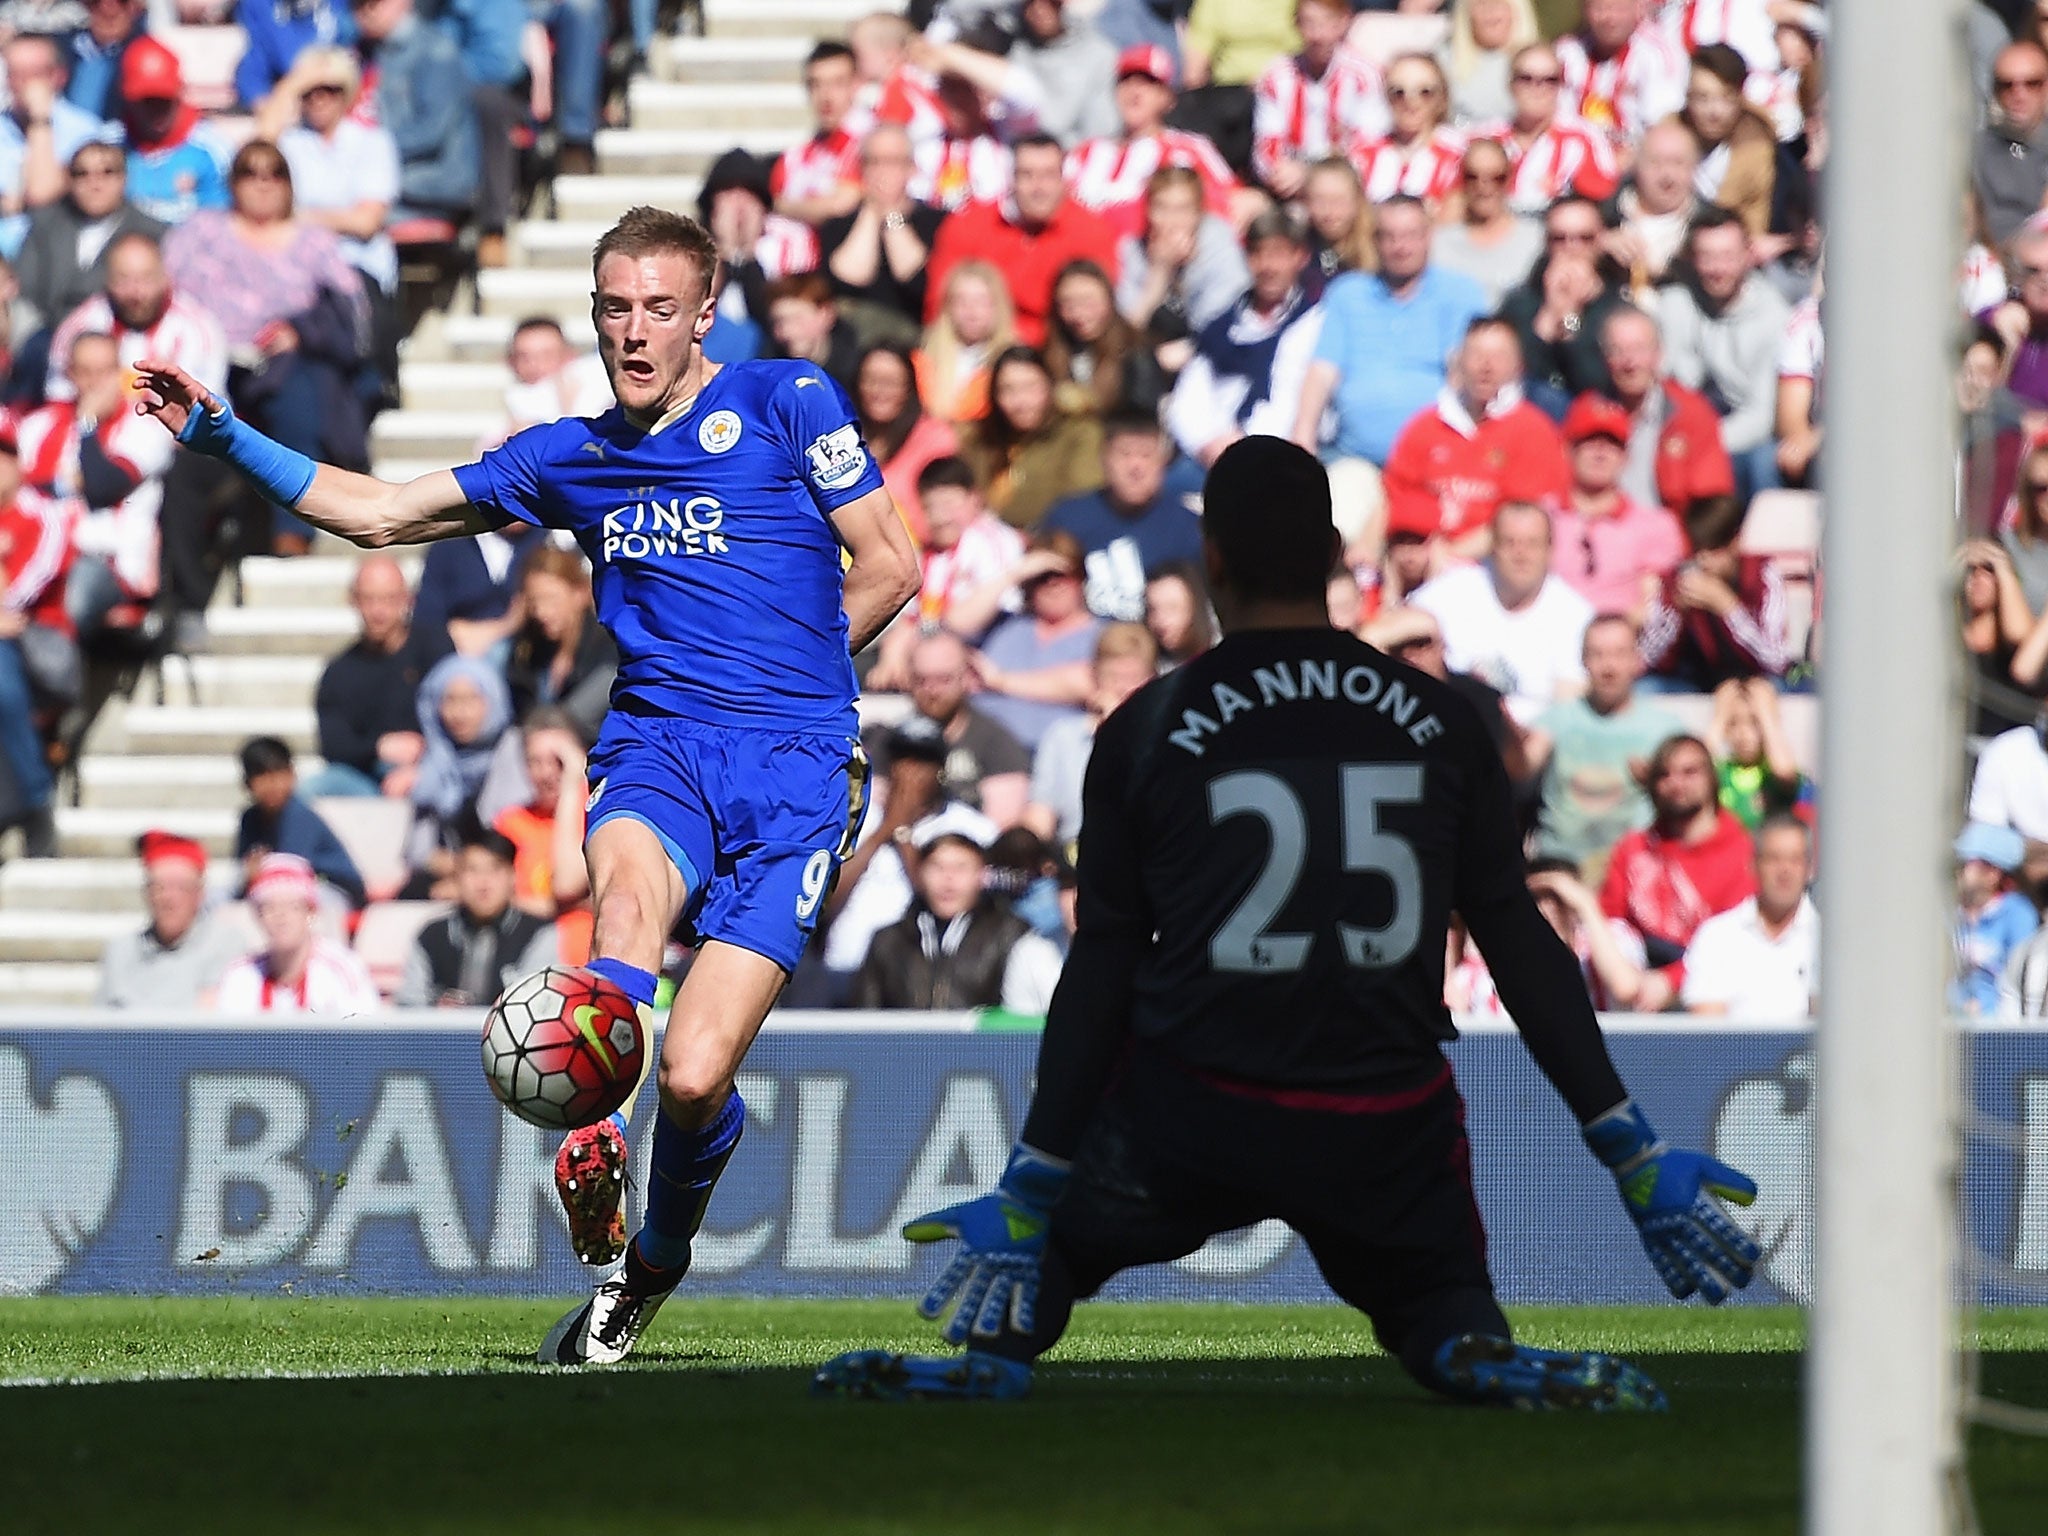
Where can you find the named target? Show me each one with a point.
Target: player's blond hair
(646, 231)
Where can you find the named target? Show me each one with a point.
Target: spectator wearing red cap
(1111, 175)
(1480, 444)
(298, 970)
(172, 961)
(176, 164)
(1028, 236)
(1610, 549)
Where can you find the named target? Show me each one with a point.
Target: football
(563, 1048)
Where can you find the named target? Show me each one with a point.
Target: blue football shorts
(756, 821)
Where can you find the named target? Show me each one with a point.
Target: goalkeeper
(1250, 1024)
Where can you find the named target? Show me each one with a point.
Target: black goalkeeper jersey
(1283, 828)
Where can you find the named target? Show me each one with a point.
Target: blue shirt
(1390, 353)
(175, 183)
(1122, 551)
(1983, 944)
(716, 570)
(299, 829)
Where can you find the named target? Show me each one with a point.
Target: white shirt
(359, 164)
(1531, 654)
(1734, 964)
(580, 387)
(2011, 786)
(335, 985)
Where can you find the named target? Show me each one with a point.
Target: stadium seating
(385, 935)
(373, 831)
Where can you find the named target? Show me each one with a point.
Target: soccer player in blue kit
(713, 503)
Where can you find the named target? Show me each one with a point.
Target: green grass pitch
(427, 1417)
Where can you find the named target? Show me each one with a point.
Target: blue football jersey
(715, 568)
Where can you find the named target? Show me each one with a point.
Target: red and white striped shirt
(909, 97)
(185, 333)
(951, 173)
(1744, 25)
(1431, 169)
(125, 534)
(1567, 156)
(1297, 118)
(815, 168)
(35, 553)
(786, 246)
(1621, 96)
(335, 984)
(1109, 175)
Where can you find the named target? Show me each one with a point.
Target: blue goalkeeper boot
(1483, 1368)
(877, 1375)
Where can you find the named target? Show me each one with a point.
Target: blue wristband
(283, 474)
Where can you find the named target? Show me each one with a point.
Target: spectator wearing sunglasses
(2009, 160)
(1560, 309)
(1490, 243)
(64, 260)
(1552, 150)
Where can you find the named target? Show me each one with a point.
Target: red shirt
(1448, 475)
(1029, 260)
(1666, 887)
(1692, 462)
(35, 555)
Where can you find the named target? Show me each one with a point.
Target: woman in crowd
(899, 432)
(975, 323)
(561, 654)
(1099, 362)
(294, 312)
(1026, 453)
(1420, 155)
(1490, 243)
(464, 710)
(1185, 270)
(1485, 35)
(1177, 613)
(1738, 144)
(344, 170)
(1339, 222)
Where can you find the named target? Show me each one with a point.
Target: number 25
(1242, 944)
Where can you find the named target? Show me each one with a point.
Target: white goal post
(1882, 1443)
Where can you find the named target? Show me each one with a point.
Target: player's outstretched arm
(360, 508)
(883, 575)
(1669, 1192)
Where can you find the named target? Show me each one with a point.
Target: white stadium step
(112, 832)
(724, 105)
(734, 56)
(452, 437)
(46, 985)
(454, 386)
(804, 20)
(91, 885)
(263, 681)
(304, 630)
(678, 151)
(601, 199)
(514, 292)
(310, 581)
(564, 243)
(181, 729)
(75, 936)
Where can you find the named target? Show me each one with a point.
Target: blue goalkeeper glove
(1670, 1197)
(993, 1281)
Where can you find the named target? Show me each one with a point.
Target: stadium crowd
(1541, 283)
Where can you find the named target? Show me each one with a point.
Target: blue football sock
(637, 984)
(686, 1167)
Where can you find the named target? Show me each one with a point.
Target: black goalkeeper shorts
(1380, 1190)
